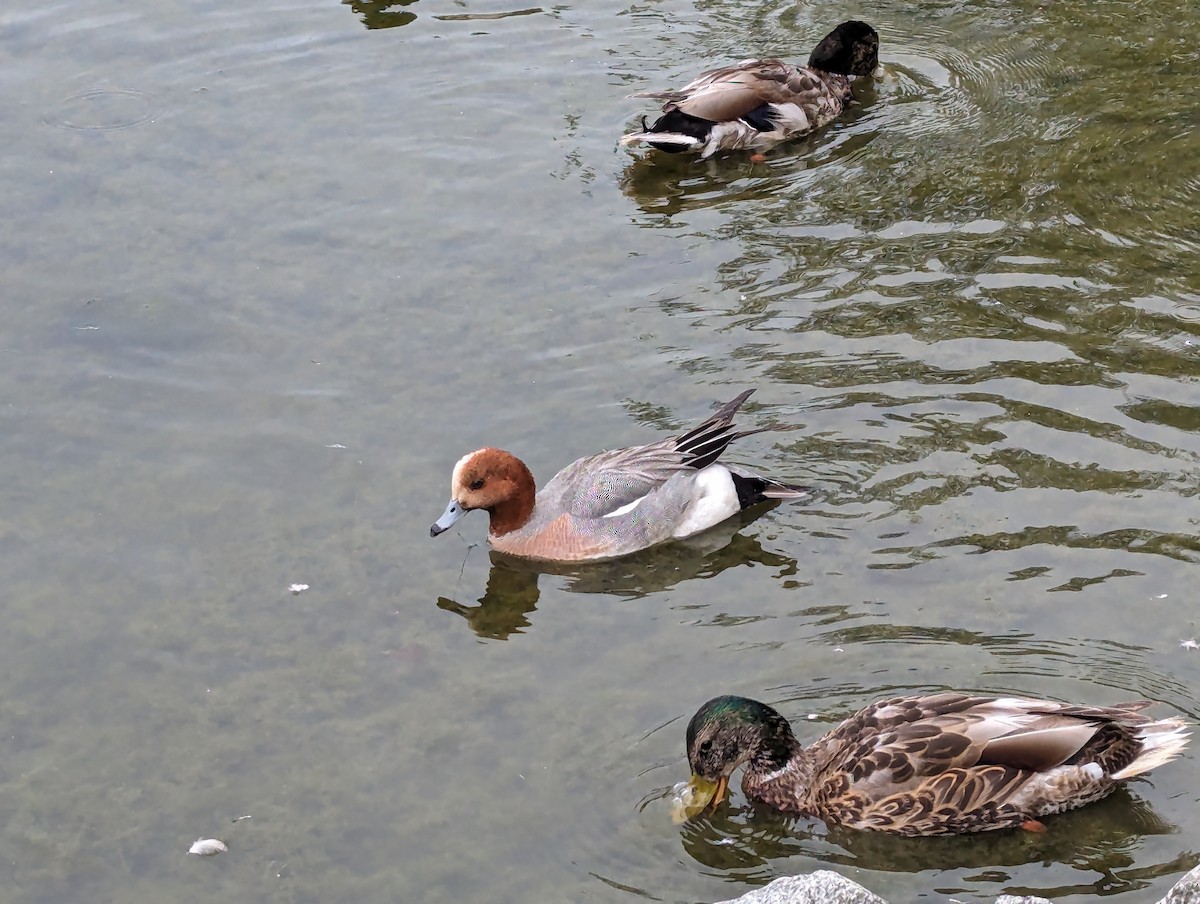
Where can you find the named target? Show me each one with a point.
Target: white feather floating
(206, 847)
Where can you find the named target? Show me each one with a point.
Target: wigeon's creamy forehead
(456, 475)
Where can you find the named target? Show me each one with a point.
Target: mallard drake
(944, 764)
(759, 103)
(616, 502)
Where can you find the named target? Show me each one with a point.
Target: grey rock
(822, 887)
(827, 887)
(1186, 890)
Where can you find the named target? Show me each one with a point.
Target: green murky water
(269, 273)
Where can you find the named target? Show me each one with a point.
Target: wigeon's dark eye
(705, 746)
(477, 483)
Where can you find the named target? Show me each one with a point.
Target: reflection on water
(742, 840)
(665, 185)
(512, 585)
(484, 17)
(976, 290)
(382, 13)
(377, 14)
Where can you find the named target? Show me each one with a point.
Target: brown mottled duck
(759, 103)
(944, 764)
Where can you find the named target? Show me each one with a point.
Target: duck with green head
(943, 764)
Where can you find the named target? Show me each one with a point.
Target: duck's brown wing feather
(896, 743)
(950, 763)
(731, 92)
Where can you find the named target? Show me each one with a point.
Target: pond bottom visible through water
(271, 271)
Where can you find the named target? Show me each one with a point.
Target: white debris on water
(206, 847)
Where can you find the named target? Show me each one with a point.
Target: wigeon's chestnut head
(493, 480)
(613, 503)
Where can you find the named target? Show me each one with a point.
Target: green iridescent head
(724, 733)
(727, 731)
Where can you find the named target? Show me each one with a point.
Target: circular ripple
(943, 84)
(104, 109)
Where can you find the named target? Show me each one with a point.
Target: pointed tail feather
(753, 489)
(1133, 706)
(669, 94)
(776, 489)
(704, 443)
(707, 442)
(671, 142)
(1162, 742)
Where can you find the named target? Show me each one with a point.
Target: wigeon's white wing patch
(628, 507)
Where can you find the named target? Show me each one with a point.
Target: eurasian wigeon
(614, 503)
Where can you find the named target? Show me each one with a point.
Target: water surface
(271, 270)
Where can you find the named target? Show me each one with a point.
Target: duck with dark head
(942, 764)
(758, 103)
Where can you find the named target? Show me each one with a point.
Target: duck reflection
(668, 184)
(378, 14)
(1100, 844)
(512, 588)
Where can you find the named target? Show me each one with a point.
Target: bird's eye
(477, 483)
(705, 746)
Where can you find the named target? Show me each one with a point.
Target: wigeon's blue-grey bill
(453, 512)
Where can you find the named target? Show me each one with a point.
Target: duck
(759, 103)
(941, 764)
(616, 502)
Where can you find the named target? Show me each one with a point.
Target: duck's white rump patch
(714, 498)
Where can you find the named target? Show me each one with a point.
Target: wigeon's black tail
(706, 442)
(752, 489)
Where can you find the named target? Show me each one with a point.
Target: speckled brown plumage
(942, 764)
(758, 103)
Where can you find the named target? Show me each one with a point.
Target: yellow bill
(698, 795)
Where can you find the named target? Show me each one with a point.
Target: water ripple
(103, 109)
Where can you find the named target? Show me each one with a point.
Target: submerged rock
(1186, 890)
(827, 887)
(822, 887)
